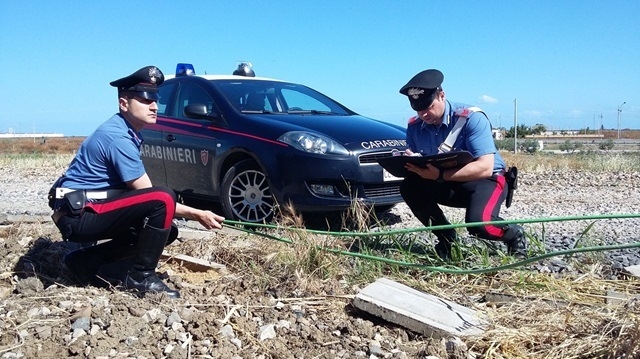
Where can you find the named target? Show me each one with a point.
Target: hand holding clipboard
(443, 161)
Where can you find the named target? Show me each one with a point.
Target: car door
(190, 145)
(153, 136)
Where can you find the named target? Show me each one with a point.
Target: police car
(253, 144)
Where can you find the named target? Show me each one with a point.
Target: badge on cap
(415, 92)
(154, 74)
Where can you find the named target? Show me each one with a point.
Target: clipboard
(443, 161)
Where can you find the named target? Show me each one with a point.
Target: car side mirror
(199, 111)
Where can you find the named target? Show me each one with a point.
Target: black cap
(421, 87)
(143, 82)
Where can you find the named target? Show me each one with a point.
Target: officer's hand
(430, 172)
(210, 220)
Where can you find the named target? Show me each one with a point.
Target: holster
(512, 184)
(75, 202)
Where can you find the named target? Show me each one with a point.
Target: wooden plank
(192, 263)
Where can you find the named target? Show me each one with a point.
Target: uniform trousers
(481, 198)
(121, 217)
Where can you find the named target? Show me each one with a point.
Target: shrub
(606, 145)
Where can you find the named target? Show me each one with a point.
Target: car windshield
(263, 96)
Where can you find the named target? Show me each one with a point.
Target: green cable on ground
(448, 226)
(444, 269)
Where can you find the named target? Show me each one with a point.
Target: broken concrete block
(420, 312)
(633, 270)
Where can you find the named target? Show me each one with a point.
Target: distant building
(497, 134)
(30, 135)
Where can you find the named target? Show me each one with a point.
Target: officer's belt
(89, 194)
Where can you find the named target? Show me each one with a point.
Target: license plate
(388, 177)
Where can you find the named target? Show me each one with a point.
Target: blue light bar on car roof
(185, 70)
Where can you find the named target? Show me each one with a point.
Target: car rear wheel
(246, 195)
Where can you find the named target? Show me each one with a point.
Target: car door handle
(171, 138)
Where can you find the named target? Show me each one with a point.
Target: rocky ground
(233, 314)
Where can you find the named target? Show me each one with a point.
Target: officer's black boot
(515, 241)
(445, 238)
(85, 263)
(142, 277)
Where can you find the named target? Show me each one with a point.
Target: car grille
(381, 191)
(371, 158)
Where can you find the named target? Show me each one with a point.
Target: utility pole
(600, 128)
(515, 125)
(619, 110)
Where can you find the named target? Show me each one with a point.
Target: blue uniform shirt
(474, 137)
(107, 159)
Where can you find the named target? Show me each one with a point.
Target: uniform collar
(136, 136)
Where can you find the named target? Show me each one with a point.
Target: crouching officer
(479, 186)
(106, 194)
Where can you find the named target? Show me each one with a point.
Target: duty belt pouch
(75, 202)
(512, 182)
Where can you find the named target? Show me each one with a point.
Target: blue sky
(566, 62)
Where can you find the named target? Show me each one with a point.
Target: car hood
(355, 132)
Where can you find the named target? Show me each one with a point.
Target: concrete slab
(617, 298)
(633, 270)
(420, 312)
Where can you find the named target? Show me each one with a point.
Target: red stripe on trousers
(491, 204)
(136, 199)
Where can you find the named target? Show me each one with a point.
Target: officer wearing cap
(479, 186)
(106, 194)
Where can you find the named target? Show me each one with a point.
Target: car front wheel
(246, 195)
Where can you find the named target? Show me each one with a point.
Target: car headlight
(313, 143)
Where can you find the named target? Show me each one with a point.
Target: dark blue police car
(253, 144)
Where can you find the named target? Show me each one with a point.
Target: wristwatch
(440, 177)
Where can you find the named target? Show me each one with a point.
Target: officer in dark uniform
(106, 194)
(479, 186)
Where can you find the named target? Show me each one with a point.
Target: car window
(189, 94)
(298, 101)
(261, 96)
(165, 95)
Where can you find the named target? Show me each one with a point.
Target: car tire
(246, 194)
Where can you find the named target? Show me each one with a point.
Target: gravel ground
(234, 316)
(541, 195)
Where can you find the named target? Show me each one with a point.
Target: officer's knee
(173, 234)
(409, 190)
(172, 194)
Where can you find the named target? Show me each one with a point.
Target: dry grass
(31, 146)
(592, 161)
(530, 314)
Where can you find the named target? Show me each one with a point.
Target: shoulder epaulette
(466, 111)
(413, 120)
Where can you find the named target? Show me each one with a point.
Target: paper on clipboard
(395, 164)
